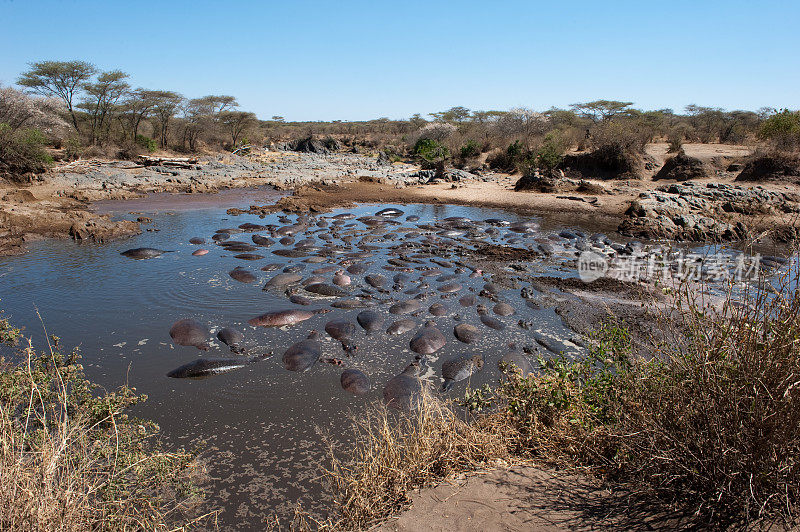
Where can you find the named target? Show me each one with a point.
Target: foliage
(147, 143)
(470, 149)
(22, 151)
(782, 129)
(430, 150)
(71, 458)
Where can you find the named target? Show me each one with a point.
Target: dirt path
(530, 499)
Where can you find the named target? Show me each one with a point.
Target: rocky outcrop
(691, 211)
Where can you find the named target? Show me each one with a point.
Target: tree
(19, 110)
(601, 110)
(454, 114)
(165, 105)
(277, 118)
(212, 105)
(782, 129)
(61, 79)
(100, 99)
(235, 122)
(135, 108)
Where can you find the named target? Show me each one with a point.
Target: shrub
(675, 140)
(146, 143)
(470, 149)
(550, 153)
(782, 130)
(430, 150)
(22, 151)
(73, 149)
(71, 458)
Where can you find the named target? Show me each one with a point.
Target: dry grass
(71, 459)
(395, 453)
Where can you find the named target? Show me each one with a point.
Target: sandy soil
(527, 498)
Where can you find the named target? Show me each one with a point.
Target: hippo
(248, 256)
(342, 330)
(279, 318)
(241, 275)
(437, 309)
(261, 240)
(375, 281)
(232, 338)
(458, 368)
(282, 279)
(370, 320)
(143, 253)
(352, 303)
(354, 381)
(189, 332)
(401, 326)
(450, 288)
(199, 252)
(405, 391)
(196, 240)
(356, 269)
(467, 300)
(303, 354)
(428, 340)
(340, 279)
(297, 299)
(390, 212)
(271, 267)
(503, 309)
(466, 333)
(206, 367)
(324, 289)
(405, 307)
(515, 361)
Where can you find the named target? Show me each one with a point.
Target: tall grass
(72, 459)
(393, 454)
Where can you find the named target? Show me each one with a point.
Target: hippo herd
(403, 277)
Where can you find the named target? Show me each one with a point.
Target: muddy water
(258, 425)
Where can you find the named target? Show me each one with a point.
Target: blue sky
(353, 60)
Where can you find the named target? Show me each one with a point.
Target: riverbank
(714, 208)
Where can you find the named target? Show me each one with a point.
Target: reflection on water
(258, 424)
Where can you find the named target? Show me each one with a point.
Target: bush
(711, 421)
(70, 456)
(146, 143)
(550, 153)
(470, 149)
(782, 130)
(430, 150)
(675, 140)
(22, 152)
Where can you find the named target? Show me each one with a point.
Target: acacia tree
(601, 110)
(60, 79)
(235, 122)
(136, 107)
(165, 105)
(101, 98)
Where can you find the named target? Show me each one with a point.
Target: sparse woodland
(71, 109)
